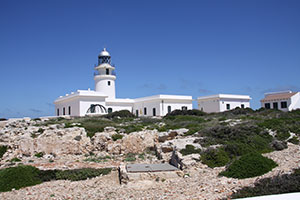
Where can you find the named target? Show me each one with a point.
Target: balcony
(113, 73)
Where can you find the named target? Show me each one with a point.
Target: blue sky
(48, 48)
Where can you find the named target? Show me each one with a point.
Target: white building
(285, 100)
(103, 100)
(222, 102)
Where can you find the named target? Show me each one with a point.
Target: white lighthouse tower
(105, 76)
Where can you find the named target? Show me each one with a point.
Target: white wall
(175, 105)
(73, 103)
(234, 103)
(85, 104)
(209, 105)
(160, 107)
(149, 105)
(295, 102)
(101, 85)
(117, 106)
(219, 104)
(279, 104)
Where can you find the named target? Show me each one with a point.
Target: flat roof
(164, 97)
(136, 168)
(225, 96)
(86, 93)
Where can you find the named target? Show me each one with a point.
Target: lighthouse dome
(104, 53)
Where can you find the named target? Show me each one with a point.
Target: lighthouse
(103, 99)
(105, 75)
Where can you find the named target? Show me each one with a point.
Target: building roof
(225, 96)
(104, 53)
(278, 96)
(165, 97)
(81, 93)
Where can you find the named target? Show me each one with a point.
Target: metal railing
(97, 73)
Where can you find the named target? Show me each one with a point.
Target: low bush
(39, 154)
(3, 150)
(81, 174)
(293, 140)
(3, 119)
(185, 112)
(132, 128)
(279, 145)
(116, 137)
(121, 114)
(249, 165)
(98, 159)
(18, 177)
(215, 157)
(282, 134)
(15, 160)
(23, 176)
(239, 111)
(286, 183)
(41, 130)
(189, 149)
(130, 157)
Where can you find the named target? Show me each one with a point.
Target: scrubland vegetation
(22, 176)
(235, 139)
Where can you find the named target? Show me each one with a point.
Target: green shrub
(142, 156)
(282, 135)
(116, 137)
(121, 113)
(39, 154)
(3, 150)
(236, 148)
(15, 160)
(286, 183)
(98, 159)
(189, 149)
(23, 175)
(3, 119)
(132, 128)
(215, 157)
(185, 112)
(18, 177)
(293, 140)
(130, 157)
(81, 174)
(41, 130)
(249, 165)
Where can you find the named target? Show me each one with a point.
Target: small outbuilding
(223, 102)
(284, 100)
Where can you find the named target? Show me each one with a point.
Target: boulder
(137, 142)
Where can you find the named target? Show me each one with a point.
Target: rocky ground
(68, 148)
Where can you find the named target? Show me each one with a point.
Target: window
(275, 105)
(145, 111)
(137, 113)
(109, 110)
(57, 111)
(107, 71)
(69, 110)
(183, 108)
(283, 104)
(154, 112)
(108, 83)
(64, 111)
(169, 109)
(242, 106)
(267, 105)
(228, 106)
